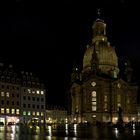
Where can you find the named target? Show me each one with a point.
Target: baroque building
(98, 93)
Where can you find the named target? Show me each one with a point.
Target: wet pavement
(76, 133)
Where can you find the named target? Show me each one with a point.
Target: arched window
(93, 100)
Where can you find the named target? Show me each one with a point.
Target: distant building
(32, 97)
(98, 93)
(56, 114)
(22, 96)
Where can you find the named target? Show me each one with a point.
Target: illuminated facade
(32, 97)
(22, 96)
(9, 94)
(98, 91)
(56, 115)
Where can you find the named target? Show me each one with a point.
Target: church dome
(106, 59)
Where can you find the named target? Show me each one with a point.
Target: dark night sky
(47, 38)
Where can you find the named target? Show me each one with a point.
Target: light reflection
(50, 130)
(66, 129)
(37, 129)
(75, 129)
(134, 132)
(2, 128)
(12, 137)
(49, 138)
(12, 134)
(67, 138)
(13, 129)
(116, 132)
(2, 135)
(133, 126)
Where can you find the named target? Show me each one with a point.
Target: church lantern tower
(106, 59)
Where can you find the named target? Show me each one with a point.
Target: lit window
(17, 111)
(42, 92)
(37, 91)
(93, 93)
(37, 113)
(2, 93)
(13, 111)
(93, 103)
(29, 90)
(93, 108)
(105, 98)
(33, 113)
(118, 98)
(7, 110)
(2, 111)
(29, 113)
(93, 99)
(42, 114)
(105, 106)
(7, 94)
(33, 91)
(24, 112)
(119, 105)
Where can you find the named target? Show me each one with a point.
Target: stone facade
(98, 93)
(22, 96)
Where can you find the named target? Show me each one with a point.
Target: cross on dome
(99, 13)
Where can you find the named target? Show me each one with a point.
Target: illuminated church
(98, 91)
